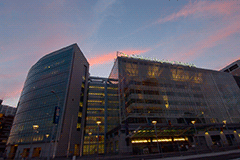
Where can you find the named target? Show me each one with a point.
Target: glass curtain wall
(37, 104)
(170, 93)
(102, 114)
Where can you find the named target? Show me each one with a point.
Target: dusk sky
(206, 33)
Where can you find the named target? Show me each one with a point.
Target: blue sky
(206, 33)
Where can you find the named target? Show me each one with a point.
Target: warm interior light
(90, 133)
(98, 122)
(180, 139)
(193, 122)
(140, 141)
(162, 140)
(47, 135)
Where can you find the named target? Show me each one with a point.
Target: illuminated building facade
(54, 90)
(102, 113)
(177, 99)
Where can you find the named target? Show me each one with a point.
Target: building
(8, 110)
(234, 69)
(144, 106)
(166, 105)
(5, 127)
(48, 118)
(102, 113)
(7, 114)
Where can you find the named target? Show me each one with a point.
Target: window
(233, 67)
(226, 70)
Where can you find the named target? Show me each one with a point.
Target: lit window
(78, 125)
(79, 114)
(97, 94)
(96, 87)
(94, 101)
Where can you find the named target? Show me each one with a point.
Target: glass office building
(102, 113)
(56, 81)
(174, 92)
(144, 106)
(175, 97)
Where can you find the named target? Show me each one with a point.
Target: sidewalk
(167, 156)
(199, 155)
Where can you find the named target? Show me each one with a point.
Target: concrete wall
(72, 105)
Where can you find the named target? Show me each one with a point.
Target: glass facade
(169, 107)
(37, 103)
(102, 108)
(176, 94)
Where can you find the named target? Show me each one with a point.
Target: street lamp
(225, 125)
(46, 135)
(35, 127)
(53, 130)
(90, 133)
(98, 123)
(155, 123)
(195, 129)
(56, 96)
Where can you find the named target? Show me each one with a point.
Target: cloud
(9, 58)
(108, 57)
(210, 41)
(102, 6)
(205, 7)
(198, 8)
(13, 93)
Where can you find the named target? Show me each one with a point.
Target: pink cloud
(9, 58)
(12, 93)
(214, 8)
(210, 9)
(210, 41)
(110, 56)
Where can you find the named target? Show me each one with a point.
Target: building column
(223, 138)
(208, 139)
(236, 136)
